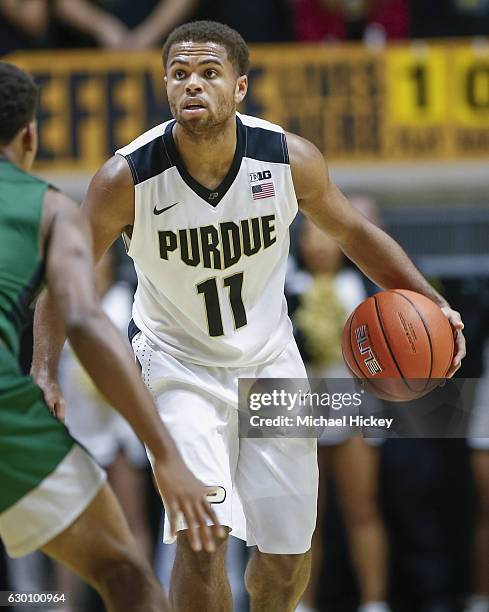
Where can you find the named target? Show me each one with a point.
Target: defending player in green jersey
(53, 496)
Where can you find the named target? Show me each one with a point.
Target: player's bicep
(318, 197)
(69, 262)
(109, 204)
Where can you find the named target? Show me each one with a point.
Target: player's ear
(241, 88)
(165, 80)
(29, 137)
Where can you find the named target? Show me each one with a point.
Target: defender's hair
(212, 31)
(19, 96)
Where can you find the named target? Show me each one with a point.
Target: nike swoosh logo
(162, 210)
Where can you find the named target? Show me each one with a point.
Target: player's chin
(195, 123)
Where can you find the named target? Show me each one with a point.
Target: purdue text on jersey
(211, 270)
(219, 247)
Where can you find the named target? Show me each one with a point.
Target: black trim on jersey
(149, 160)
(266, 145)
(132, 330)
(20, 312)
(210, 196)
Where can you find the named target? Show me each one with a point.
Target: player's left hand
(457, 325)
(52, 396)
(185, 495)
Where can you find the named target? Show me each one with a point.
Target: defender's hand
(52, 396)
(183, 493)
(457, 325)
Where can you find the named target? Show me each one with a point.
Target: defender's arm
(109, 206)
(105, 356)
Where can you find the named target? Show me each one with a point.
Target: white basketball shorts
(270, 484)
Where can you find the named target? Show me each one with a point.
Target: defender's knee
(122, 579)
(362, 516)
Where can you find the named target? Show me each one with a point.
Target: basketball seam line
(377, 310)
(427, 333)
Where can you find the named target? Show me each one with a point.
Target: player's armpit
(109, 203)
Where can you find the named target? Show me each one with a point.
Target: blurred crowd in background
(124, 24)
(406, 521)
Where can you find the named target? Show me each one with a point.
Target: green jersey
(21, 264)
(46, 479)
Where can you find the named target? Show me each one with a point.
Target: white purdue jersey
(211, 264)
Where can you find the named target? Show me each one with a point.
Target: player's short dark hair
(19, 96)
(212, 31)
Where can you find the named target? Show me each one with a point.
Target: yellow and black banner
(407, 102)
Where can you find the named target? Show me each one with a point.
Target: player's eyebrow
(209, 60)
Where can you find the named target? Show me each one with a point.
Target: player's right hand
(185, 495)
(53, 397)
(460, 347)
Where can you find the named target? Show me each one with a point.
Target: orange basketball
(400, 343)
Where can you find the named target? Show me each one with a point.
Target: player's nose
(193, 84)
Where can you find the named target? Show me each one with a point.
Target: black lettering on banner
(155, 103)
(79, 111)
(168, 243)
(44, 116)
(475, 76)
(211, 299)
(230, 243)
(192, 259)
(118, 112)
(268, 227)
(248, 249)
(419, 75)
(209, 238)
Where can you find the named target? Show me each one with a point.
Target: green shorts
(46, 478)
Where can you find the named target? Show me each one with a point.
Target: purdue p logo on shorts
(217, 496)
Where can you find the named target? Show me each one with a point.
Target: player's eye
(210, 73)
(179, 74)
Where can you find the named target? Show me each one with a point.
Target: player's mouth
(194, 107)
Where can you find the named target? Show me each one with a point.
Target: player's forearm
(105, 356)
(82, 15)
(164, 18)
(49, 338)
(383, 260)
(31, 16)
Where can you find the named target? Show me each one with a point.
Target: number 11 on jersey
(208, 288)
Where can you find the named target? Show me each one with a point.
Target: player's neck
(11, 154)
(207, 157)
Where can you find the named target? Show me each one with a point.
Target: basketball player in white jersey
(206, 201)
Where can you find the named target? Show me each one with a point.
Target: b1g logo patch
(260, 176)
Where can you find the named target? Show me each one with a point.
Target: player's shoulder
(308, 166)
(265, 141)
(302, 151)
(146, 155)
(57, 205)
(257, 122)
(59, 211)
(57, 202)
